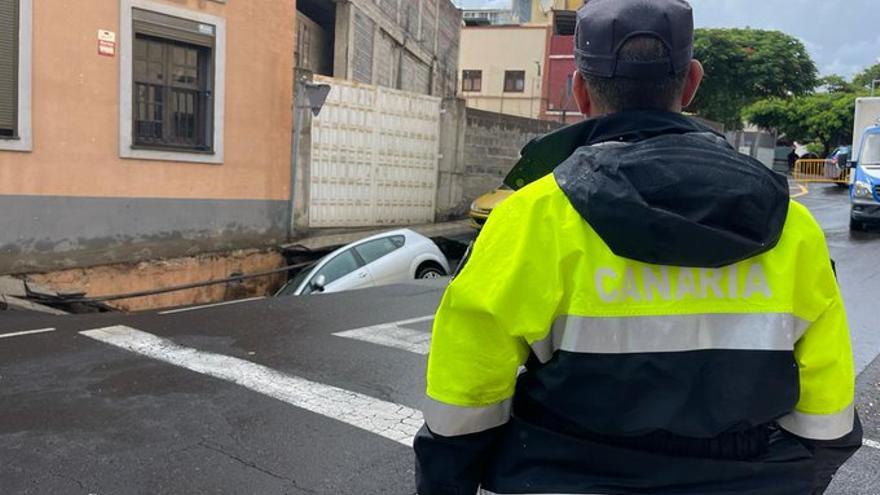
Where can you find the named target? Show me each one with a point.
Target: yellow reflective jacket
(569, 355)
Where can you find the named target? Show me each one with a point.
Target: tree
(826, 118)
(836, 84)
(747, 65)
(864, 78)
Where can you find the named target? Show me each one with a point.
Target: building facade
(542, 10)
(139, 129)
(558, 102)
(411, 45)
(519, 12)
(502, 68)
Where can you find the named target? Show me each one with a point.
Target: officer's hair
(620, 93)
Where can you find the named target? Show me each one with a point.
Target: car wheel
(429, 271)
(855, 225)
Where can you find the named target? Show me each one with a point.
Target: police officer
(655, 316)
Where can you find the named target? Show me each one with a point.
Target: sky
(843, 36)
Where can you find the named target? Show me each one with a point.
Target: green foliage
(747, 65)
(864, 78)
(826, 118)
(836, 84)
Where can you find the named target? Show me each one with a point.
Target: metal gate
(826, 171)
(374, 155)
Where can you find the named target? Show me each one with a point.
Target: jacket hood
(662, 189)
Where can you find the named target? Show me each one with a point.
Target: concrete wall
(496, 49)
(402, 44)
(478, 149)
(72, 200)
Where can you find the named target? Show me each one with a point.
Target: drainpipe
(307, 96)
(298, 94)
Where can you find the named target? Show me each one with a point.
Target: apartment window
(9, 68)
(514, 81)
(172, 67)
(472, 80)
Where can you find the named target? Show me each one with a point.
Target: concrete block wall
(492, 145)
(477, 149)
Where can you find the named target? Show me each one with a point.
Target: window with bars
(472, 80)
(9, 12)
(173, 63)
(514, 81)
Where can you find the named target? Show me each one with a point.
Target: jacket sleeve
(499, 302)
(825, 418)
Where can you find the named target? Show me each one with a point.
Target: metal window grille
(514, 81)
(9, 10)
(173, 61)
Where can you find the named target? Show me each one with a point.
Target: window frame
(127, 147)
(507, 77)
(391, 241)
(23, 139)
(306, 288)
(203, 118)
(465, 79)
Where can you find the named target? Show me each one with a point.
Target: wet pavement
(199, 401)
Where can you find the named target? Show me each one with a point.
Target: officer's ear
(581, 94)
(692, 83)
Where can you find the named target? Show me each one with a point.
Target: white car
(382, 259)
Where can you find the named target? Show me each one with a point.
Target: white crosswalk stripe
(396, 334)
(26, 332)
(387, 419)
(871, 443)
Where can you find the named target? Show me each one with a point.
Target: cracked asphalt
(78, 416)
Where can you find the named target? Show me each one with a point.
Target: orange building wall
(76, 97)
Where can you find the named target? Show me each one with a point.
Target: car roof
(410, 234)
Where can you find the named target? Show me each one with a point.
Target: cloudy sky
(842, 35)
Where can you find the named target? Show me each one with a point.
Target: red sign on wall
(106, 43)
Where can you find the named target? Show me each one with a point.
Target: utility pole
(306, 95)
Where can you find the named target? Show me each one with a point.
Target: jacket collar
(543, 154)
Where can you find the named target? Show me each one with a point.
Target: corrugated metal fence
(373, 157)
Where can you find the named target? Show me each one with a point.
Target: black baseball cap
(603, 26)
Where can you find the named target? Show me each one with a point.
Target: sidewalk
(338, 237)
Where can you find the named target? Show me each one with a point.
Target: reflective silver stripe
(672, 333)
(819, 426)
(452, 421)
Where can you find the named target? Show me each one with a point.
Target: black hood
(663, 189)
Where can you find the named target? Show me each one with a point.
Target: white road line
(195, 308)
(387, 419)
(395, 335)
(28, 332)
(871, 443)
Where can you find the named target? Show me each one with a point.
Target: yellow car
(482, 206)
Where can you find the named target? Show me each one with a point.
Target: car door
(383, 261)
(345, 271)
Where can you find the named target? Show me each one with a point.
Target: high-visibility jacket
(653, 317)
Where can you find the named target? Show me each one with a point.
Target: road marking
(871, 443)
(28, 332)
(395, 335)
(804, 191)
(386, 419)
(206, 306)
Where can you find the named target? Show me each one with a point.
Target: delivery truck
(865, 186)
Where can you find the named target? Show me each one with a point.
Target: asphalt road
(263, 397)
